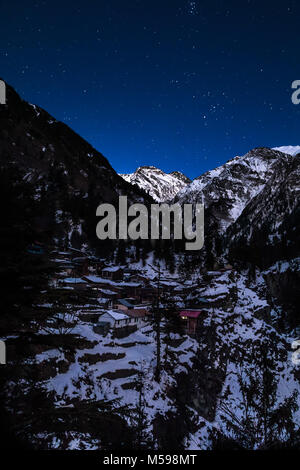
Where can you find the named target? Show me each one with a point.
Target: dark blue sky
(182, 85)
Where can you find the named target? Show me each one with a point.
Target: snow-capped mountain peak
(230, 187)
(289, 149)
(162, 186)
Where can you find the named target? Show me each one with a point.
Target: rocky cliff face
(162, 186)
(251, 206)
(228, 189)
(268, 228)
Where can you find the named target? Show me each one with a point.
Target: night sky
(182, 85)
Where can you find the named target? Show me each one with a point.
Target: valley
(141, 344)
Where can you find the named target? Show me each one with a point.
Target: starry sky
(181, 85)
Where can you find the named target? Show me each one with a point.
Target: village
(125, 297)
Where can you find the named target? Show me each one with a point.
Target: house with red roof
(190, 318)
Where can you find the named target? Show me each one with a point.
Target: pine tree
(140, 417)
(172, 322)
(121, 252)
(157, 319)
(23, 273)
(264, 423)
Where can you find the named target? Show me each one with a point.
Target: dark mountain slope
(70, 178)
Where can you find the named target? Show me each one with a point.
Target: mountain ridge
(228, 189)
(160, 185)
(68, 175)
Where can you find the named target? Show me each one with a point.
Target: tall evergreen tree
(264, 421)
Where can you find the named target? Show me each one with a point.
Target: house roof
(125, 302)
(108, 292)
(109, 282)
(74, 280)
(80, 259)
(95, 279)
(117, 315)
(91, 312)
(112, 269)
(190, 313)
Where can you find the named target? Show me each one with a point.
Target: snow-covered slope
(289, 149)
(270, 223)
(229, 188)
(238, 331)
(162, 186)
(95, 384)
